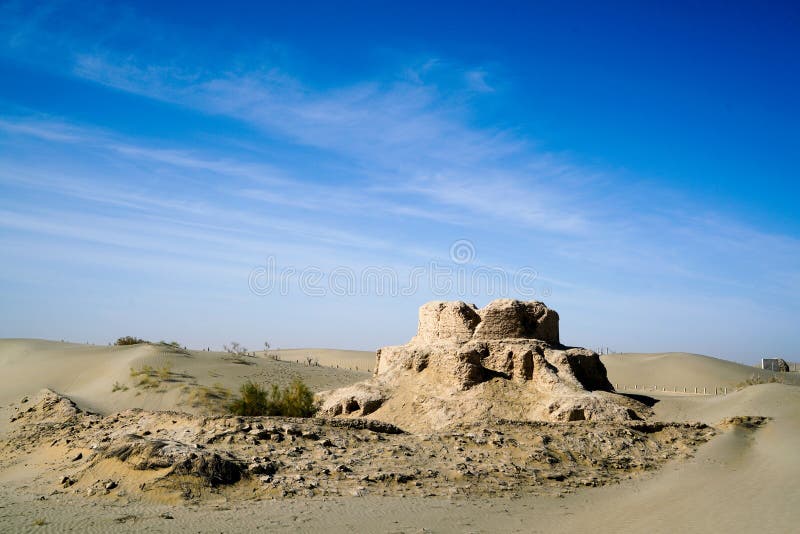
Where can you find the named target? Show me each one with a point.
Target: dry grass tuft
(756, 379)
(212, 399)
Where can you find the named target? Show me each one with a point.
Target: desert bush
(147, 382)
(268, 354)
(174, 346)
(252, 401)
(147, 377)
(756, 379)
(144, 370)
(296, 400)
(129, 340)
(118, 387)
(238, 353)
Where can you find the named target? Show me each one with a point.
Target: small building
(775, 364)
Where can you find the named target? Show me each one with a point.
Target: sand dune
(356, 360)
(87, 373)
(743, 480)
(673, 370)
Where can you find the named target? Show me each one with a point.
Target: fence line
(692, 390)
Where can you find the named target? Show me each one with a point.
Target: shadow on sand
(644, 399)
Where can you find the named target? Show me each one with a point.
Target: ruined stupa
(504, 360)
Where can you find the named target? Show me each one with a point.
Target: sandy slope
(356, 360)
(680, 369)
(87, 373)
(744, 480)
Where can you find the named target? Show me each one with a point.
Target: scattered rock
(141, 453)
(486, 457)
(265, 468)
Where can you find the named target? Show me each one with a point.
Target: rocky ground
(182, 457)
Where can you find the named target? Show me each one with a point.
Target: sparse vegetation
(147, 377)
(165, 371)
(213, 399)
(129, 340)
(238, 353)
(119, 387)
(253, 400)
(296, 400)
(756, 379)
(174, 346)
(270, 355)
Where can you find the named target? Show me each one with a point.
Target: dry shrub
(165, 372)
(755, 379)
(147, 377)
(212, 399)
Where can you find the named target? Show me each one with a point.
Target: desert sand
(677, 370)
(87, 373)
(740, 479)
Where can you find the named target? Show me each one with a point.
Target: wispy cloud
(477, 81)
(386, 170)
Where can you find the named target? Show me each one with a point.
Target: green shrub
(253, 400)
(128, 340)
(296, 400)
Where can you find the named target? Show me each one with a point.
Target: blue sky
(640, 159)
